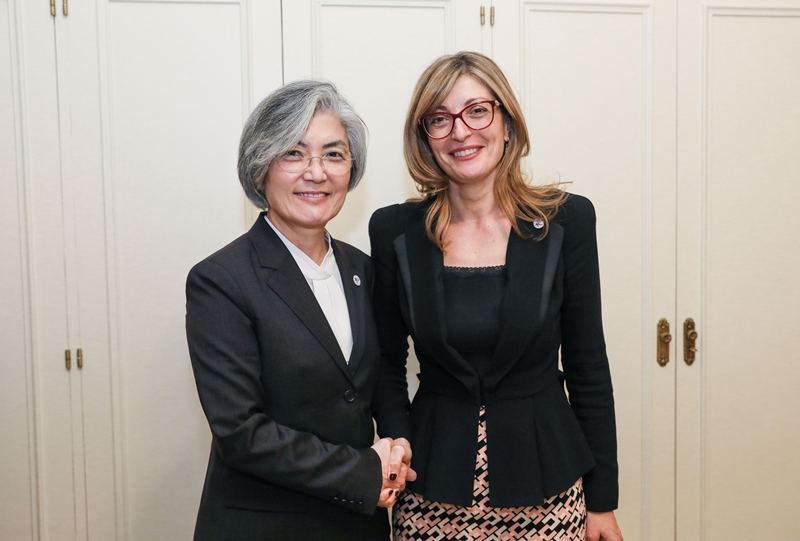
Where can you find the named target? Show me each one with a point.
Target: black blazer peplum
(539, 441)
(291, 421)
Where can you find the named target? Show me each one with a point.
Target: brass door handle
(664, 338)
(689, 341)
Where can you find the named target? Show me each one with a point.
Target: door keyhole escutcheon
(689, 341)
(664, 338)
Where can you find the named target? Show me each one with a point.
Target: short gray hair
(279, 122)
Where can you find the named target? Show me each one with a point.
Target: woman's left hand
(602, 527)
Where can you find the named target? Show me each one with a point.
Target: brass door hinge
(65, 7)
(664, 338)
(483, 15)
(80, 357)
(53, 8)
(491, 15)
(68, 359)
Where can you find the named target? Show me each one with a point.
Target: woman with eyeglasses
(283, 342)
(492, 278)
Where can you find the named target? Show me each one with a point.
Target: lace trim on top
(475, 271)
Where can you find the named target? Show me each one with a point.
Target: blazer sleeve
(226, 361)
(583, 352)
(391, 403)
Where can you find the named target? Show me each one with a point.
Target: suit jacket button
(335, 500)
(360, 506)
(351, 504)
(349, 396)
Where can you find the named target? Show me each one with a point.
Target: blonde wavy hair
(515, 196)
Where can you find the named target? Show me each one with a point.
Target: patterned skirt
(561, 517)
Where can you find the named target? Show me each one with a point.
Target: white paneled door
(596, 81)
(738, 254)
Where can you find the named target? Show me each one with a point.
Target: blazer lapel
(423, 262)
(357, 300)
(531, 266)
(288, 282)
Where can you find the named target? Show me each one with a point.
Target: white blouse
(326, 284)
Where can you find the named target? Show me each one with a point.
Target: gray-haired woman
(283, 342)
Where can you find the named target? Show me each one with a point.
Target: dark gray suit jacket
(291, 420)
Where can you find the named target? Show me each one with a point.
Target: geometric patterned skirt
(561, 517)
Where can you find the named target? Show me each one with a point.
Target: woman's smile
(465, 153)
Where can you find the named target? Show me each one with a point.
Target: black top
(473, 297)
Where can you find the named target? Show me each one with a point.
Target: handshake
(395, 458)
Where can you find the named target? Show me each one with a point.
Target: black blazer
(291, 421)
(539, 442)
